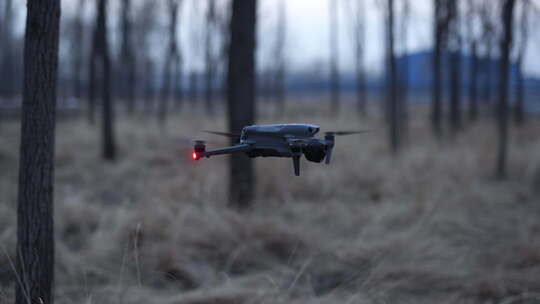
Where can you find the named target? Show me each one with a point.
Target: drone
(277, 140)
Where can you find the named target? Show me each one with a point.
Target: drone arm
(228, 150)
(296, 164)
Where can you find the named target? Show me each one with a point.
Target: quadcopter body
(278, 140)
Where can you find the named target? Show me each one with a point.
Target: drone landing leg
(296, 164)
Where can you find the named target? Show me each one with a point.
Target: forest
(103, 104)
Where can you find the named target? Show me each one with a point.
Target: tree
(77, 47)
(279, 70)
(172, 61)
(358, 33)
(392, 100)
(440, 26)
(334, 57)
(99, 58)
(455, 65)
(127, 57)
(473, 72)
(35, 236)
(210, 57)
(488, 29)
(507, 14)
(7, 61)
(241, 96)
(404, 73)
(519, 109)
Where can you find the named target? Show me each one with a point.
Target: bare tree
(7, 62)
(99, 59)
(35, 224)
(392, 100)
(241, 96)
(441, 22)
(77, 47)
(404, 73)
(334, 57)
(519, 109)
(455, 65)
(145, 22)
(210, 57)
(279, 70)
(357, 9)
(507, 14)
(172, 61)
(488, 38)
(127, 57)
(473, 54)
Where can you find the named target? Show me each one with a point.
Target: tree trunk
(473, 83)
(171, 61)
(77, 49)
(241, 97)
(128, 68)
(209, 57)
(35, 236)
(502, 109)
(334, 58)
(455, 68)
(392, 98)
(436, 109)
(519, 109)
(101, 58)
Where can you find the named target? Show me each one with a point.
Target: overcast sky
(307, 33)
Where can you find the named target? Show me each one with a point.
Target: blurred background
(438, 203)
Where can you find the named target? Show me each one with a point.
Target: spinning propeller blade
(226, 134)
(342, 133)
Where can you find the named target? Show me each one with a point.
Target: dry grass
(429, 226)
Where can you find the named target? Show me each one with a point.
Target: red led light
(195, 156)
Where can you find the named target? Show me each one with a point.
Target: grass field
(428, 226)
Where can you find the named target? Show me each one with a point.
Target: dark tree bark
(241, 96)
(392, 100)
(128, 58)
(278, 83)
(519, 109)
(334, 58)
(439, 35)
(7, 60)
(100, 60)
(455, 66)
(507, 14)
(210, 58)
(357, 10)
(473, 72)
(489, 39)
(172, 60)
(404, 74)
(77, 47)
(35, 236)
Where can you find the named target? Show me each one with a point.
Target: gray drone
(282, 140)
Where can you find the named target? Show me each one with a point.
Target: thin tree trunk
(436, 109)
(209, 57)
(128, 68)
(77, 49)
(473, 89)
(102, 53)
(334, 58)
(519, 109)
(502, 109)
(35, 225)
(455, 68)
(392, 98)
(241, 97)
(172, 57)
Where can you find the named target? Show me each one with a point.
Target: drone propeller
(226, 134)
(342, 133)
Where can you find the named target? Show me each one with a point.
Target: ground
(430, 225)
